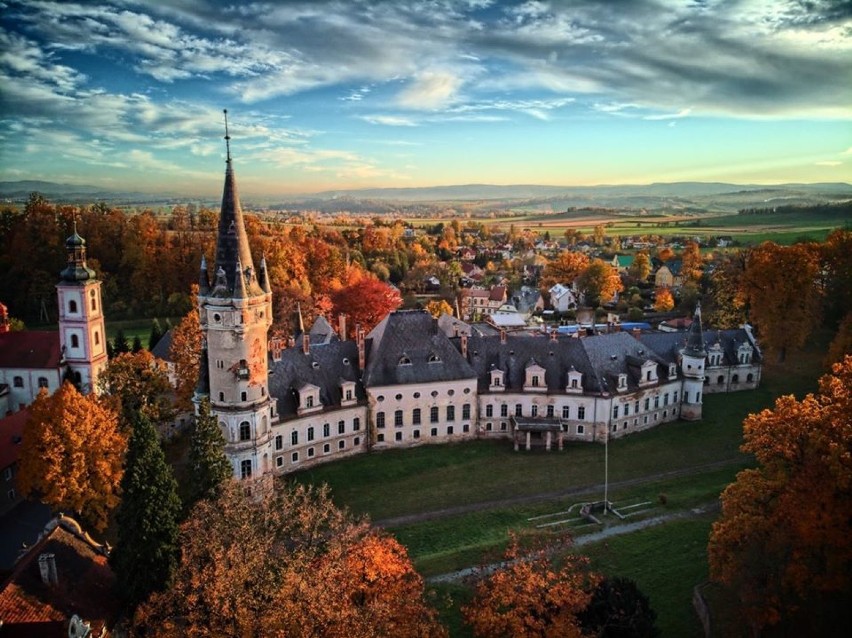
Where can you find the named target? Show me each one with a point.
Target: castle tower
(236, 313)
(693, 359)
(81, 319)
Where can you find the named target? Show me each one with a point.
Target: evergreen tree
(147, 550)
(120, 344)
(137, 344)
(619, 609)
(156, 334)
(207, 461)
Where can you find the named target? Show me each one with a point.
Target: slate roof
(11, 435)
(30, 349)
(321, 331)
(449, 325)
(86, 587)
(556, 357)
(668, 344)
(162, 349)
(325, 366)
(619, 353)
(413, 335)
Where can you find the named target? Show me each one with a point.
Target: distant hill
(86, 193)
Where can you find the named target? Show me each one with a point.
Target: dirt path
(608, 532)
(598, 488)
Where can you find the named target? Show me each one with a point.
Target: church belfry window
(94, 300)
(72, 306)
(75, 341)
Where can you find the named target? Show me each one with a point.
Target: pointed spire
(264, 276)
(695, 336)
(203, 277)
(232, 242)
(298, 322)
(239, 281)
(227, 138)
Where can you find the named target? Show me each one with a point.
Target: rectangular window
(666, 398)
(504, 426)
(534, 411)
(245, 469)
(42, 382)
(581, 429)
(326, 448)
(279, 461)
(504, 410)
(311, 433)
(686, 397)
(674, 397)
(348, 394)
(415, 416)
(581, 413)
(294, 457)
(466, 411)
(636, 407)
(615, 412)
(656, 402)
(279, 442)
(416, 434)
(357, 441)
(310, 452)
(450, 429)
(519, 409)
(380, 419)
(647, 403)
(451, 413)
(380, 438)
(489, 411)
(550, 412)
(326, 429)
(341, 444)
(466, 428)
(341, 427)
(356, 423)
(434, 432)
(566, 411)
(433, 414)
(243, 396)
(626, 409)
(294, 438)
(535, 381)
(397, 418)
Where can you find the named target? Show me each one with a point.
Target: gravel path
(614, 530)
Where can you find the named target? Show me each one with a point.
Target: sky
(348, 94)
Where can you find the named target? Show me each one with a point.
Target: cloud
(430, 90)
(669, 116)
(389, 120)
(829, 163)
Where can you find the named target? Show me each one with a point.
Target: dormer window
(434, 358)
(622, 381)
(309, 400)
(405, 361)
(648, 373)
(347, 392)
(534, 380)
(672, 371)
(575, 382)
(497, 380)
(744, 353)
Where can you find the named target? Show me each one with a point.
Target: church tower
(236, 312)
(693, 359)
(82, 335)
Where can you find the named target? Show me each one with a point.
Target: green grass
(136, 328)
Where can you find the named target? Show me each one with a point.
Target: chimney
(362, 354)
(47, 568)
(291, 342)
(553, 333)
(455, 331)
(306, 343)
(636, 332)
(464, 345)
(341, 322)
(502, 335)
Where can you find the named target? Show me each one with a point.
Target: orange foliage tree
(72, 454)
(531, 597)
(781, 286)
(439, 307)
(563, 269)
(185, 352)
(782, 542)
(138, 384)
(599, 282)
(366, 302)
(287, 563)
(663, 300)
(692, 262)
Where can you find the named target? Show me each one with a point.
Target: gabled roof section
(614, 354)
(326, 367)
(667, 345)
(31, 349)
(321, 331)
(414, 334)
(162, 349)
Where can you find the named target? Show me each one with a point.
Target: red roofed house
(64, 579)
(32, 360)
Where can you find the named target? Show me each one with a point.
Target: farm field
(452, 510)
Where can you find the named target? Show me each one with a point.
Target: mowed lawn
(666, 560)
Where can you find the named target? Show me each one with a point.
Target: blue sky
(349, 94)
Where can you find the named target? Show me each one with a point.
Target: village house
(563, 298)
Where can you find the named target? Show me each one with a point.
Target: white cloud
(669, 116)
(829, 163)
(389, 120)
(430, 90)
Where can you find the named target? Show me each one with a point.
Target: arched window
(750, 378)
(97, 338)
(72, 306)
(720, 380)
(94, 300)
(735, 378)
(75, 341)
(245, 431)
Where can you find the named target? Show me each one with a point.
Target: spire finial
(227, 137)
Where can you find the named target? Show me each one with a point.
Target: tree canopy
(365, 302)
(72, 454)
(138, 385)
(599, 282)
(782, 542)
(185, 351)
(563, 269)
(287, 563)
(209, 467)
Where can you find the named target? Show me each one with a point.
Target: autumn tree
(146, 553)
(208, 465)
(563, 269)
(692, 262)
(287, 563)
(531, 597)
(599, 282)
(663, 300)
(72, 454)
(782, 542)
(640, 268)
(665, 254)
(439, 307)
(365, 302)
(599, 235)
(185, 352)
(724, 304)
(138, 385)
(837, 272)
(841, 345)
(619, 609)
(784, 300)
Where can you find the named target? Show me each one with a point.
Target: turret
(693, 360)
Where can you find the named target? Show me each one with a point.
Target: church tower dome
(235, 309)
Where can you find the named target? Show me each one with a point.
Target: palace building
(414, 379)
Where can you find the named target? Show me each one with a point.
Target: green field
(494, 490)
(136, 328)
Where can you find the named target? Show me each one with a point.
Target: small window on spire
(72, 306)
